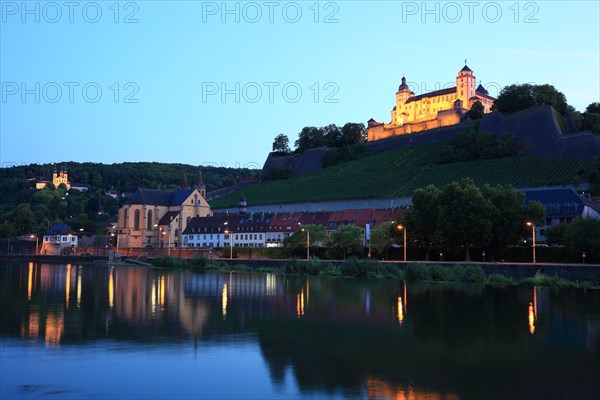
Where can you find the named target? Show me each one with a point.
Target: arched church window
(136, 220)
(149, 220)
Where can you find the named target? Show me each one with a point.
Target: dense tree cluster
(331, 136)
(463, 216)
(516, 97)
(474, 144)
(580, 236)
(344, 242)
(520, 97)
(23, 209)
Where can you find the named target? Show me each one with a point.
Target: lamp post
(36, 243)
(230, 243)
(307, 243)
(532, 225)
(403, 229)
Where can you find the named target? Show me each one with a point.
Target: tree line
(330, 136)
(24, 210)
(459, 217)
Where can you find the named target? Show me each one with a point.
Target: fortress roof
(436, 93)
(465, 68)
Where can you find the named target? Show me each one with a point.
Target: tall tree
(353, 133)
(310, 137)
(382, 238)
(296, 242)
(583, 235)
(345, 241)
(464, 216)
(333, 135)
(422, 218)
(281, 143)
(509, 217)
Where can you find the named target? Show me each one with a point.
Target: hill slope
(397, 173)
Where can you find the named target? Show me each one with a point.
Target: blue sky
(212, 83)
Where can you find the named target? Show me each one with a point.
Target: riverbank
(496, 274)
(545, 274)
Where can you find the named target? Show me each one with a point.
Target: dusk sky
(144, 80)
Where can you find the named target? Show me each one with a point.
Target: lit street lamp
(483, 255)
(230, 243)
(403, 228)
(307, 243)
(583, 254)
(532, 225)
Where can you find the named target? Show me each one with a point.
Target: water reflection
(331, 335)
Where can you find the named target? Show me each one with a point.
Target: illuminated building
(157, 218)
(431, 110)
(57, 179)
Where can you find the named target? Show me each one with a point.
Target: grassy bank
(369, 269)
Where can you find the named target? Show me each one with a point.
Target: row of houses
(183, 218)
(257, 230)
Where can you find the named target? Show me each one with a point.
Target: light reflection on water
(138, 333)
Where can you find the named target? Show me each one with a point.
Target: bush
(473, 274)
(499, 280)
(360, 268)
(198, 263)
(241, 268)
(417, 272)
(169, 262)
(545, 280)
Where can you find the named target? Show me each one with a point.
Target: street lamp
(403, 228)
(307, 243)
(532, 225)
(230, 243)
(36, 244)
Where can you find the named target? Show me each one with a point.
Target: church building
(157, 218)
(432, 110)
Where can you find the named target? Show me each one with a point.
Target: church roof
(168, 217)
(436, 93)
(158, 197)
(465, 68)
(481, 89)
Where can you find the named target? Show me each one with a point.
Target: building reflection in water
(382, 390)
(79, 270)
(300, 303)
(67, 286)
(533, 312)
(224, 300)
(401, 305)
(271, 284)
(111, 288)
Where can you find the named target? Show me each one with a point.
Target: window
(136, 220)
(149, 220)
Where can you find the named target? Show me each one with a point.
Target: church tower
(200, 185)
(402, 95)
(465, 85)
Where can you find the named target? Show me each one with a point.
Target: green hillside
(397, 173)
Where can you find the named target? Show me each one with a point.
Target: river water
(103, 332)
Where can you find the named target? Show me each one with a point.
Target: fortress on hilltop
(431, 110)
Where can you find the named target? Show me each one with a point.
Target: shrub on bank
(473, 274)
(169, 262)
(499, 280)
(545, 280)
(361, 268)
